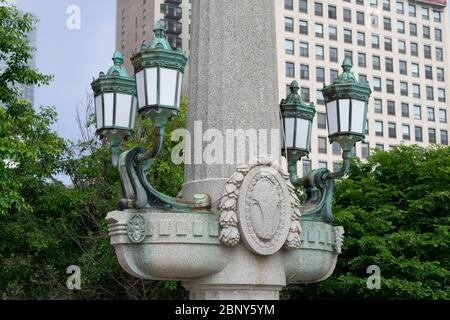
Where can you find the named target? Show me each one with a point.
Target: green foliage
(395, 211)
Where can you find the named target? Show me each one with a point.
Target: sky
(72, 56)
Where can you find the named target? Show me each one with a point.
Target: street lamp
(115, 105)
(155, 94)
(297, 117)
(346, 105)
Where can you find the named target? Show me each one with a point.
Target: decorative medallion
(136, 228)
(264, 210)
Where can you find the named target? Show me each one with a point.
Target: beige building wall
(372, 11)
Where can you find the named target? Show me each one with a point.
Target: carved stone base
(227, 292)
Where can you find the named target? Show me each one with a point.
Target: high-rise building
(399, 46)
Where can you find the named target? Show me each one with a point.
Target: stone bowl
(167, 245)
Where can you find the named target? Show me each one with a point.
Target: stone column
(233, 84)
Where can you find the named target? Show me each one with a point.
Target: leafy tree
(395, 211)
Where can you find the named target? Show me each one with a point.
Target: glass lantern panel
(123, 110)
(152, 86)
(180, 84)
(332, 117)
(358, 114)
(140, 85)
(133, 113)
(99, 111)
(108, 99)
(302, 133)
(168, 87)
(344, 112)
(289, 128)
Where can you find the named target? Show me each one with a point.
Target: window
(405, 110)
(377, 84)
(406, 132)
(333, 54)
(320, 74)
(415, 70)
(425, 13)
(444, 137)
(392, 129)
(426, 32)
(400, 26)
(379, 147)
(439, 56)
(390, 86)
(401, 46)
(288, 24)
(441, 95)
(347, 15)
(442, 116)
(387, 5)
(332, 32)
(360, 18)
(290, 70)
(418, 134)
(304, 93)
(323, 164)
(365, 150)
(322, 145)
(319, 53)
(413, 29)
(431, 135)
(289, 4)
(337, 166)
(374, 20)
(438, 34)
(378, 104)
(427, 52)
(391, 108)
(440, 74)
(404, 88)
(430, 93)
(303, 27)
(318, 9)
(321, 120)
(336, 149)
(389, 65)
(417, 112)
(388, 44)
(361, 60)
(289, 46)
(319, 97)
(347, 36)
(304, 49)
(403, 67)
(412, 9)
(400, 7)
(437, 16)
(332, 12)
(319, 30)
(306, 166)
(333, 74)
(416, 91)
(303, 6)
(374, 3)
(304, 72)
(376, 62)
(387, 24)
(378, 128)
(361, 38)
(362, 78)
(430, 112)
(375, 41)
(414, 49)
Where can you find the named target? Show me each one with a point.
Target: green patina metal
(115, 80)
(159, 53)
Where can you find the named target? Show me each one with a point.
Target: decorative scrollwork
(339, 238)
(136, 228)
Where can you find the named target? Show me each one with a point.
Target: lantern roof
(347, 86)
(116, 79)
(159, 53)
(294, 106)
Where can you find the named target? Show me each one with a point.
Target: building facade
(399, 46)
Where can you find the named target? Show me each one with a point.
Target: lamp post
(254, 236)
(346, 102)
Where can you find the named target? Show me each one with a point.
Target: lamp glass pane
(180, 85)
(133, 113)
(99, 111)
(301, 139)
(140, 85)
(123, 110)
(109, 109)
(168, 85)
(289, 128)
(358, 114)
(332, 117)
(344, 111)
(152, 86)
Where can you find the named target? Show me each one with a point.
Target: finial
(118, 58)
(294, 87)
(347, 65)
(159, 29)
